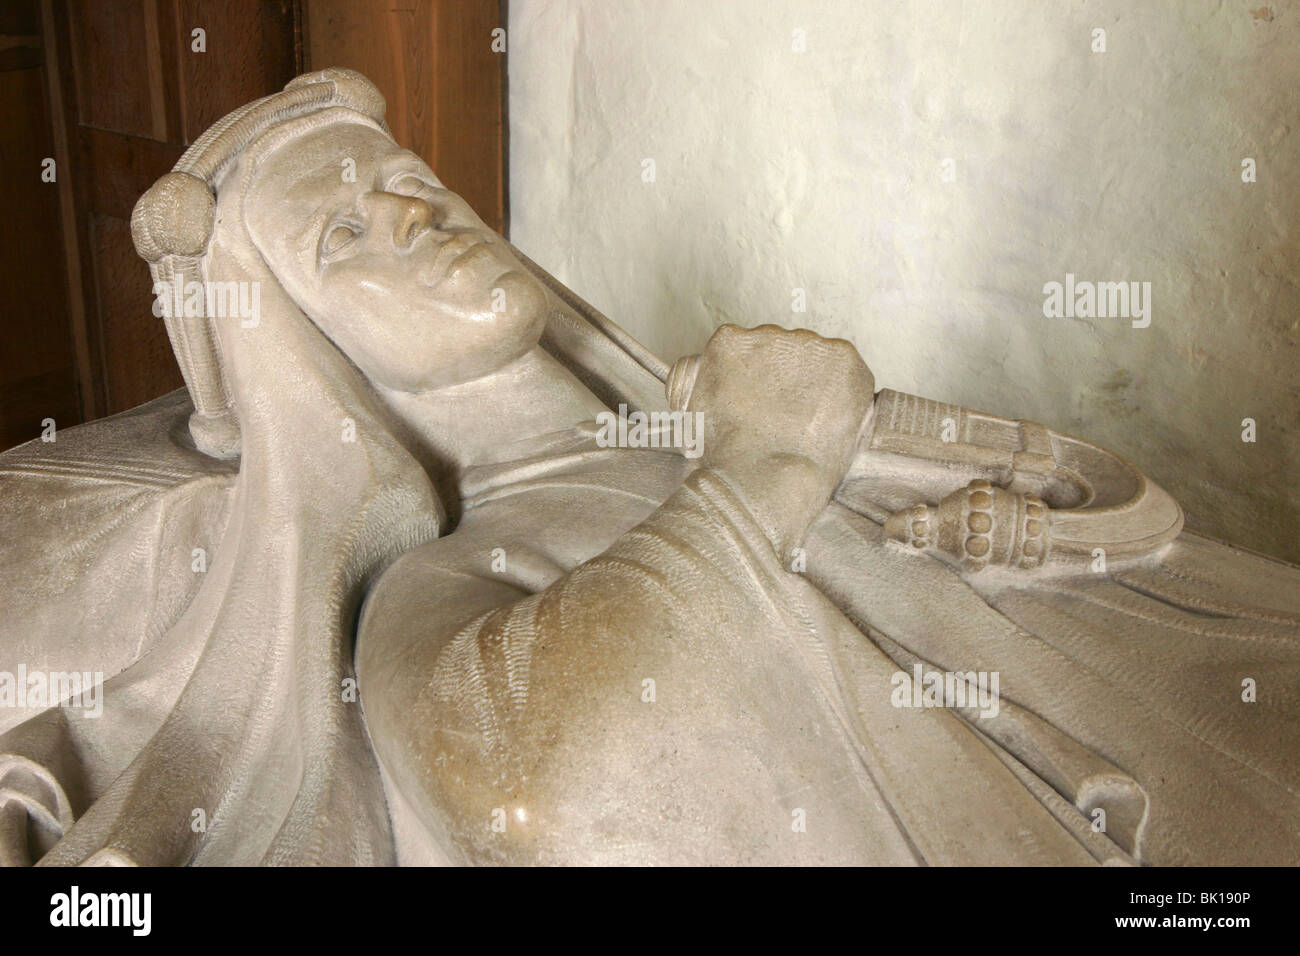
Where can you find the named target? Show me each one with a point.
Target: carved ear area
(173, 218)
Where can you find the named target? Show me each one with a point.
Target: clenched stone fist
(783, 411)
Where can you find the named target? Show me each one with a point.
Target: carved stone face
(397, 271)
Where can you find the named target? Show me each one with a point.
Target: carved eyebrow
(334, 198)
(404, 164)
(333, 211)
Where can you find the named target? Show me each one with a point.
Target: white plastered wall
(824, 170)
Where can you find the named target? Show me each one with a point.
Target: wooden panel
(26, 402)
(393, 47)
(112, 43)
(20, 53)
(30, 268)
(37, 378)
(138, 360)
(118, 169)
(470, 107)
(56, 36)
(21, 18)
(433, 61)
(250, 53)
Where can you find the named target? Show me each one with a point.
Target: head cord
(172, 224)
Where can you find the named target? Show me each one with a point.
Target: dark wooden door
(140, 80)
(37, 374)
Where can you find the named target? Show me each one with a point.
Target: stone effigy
(377, 587)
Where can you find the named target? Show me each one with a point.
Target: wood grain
(36, 356)
(434, 63)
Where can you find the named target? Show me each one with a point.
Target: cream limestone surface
(825, 170)
(378, 588)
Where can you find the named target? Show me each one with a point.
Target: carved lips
(455, 253)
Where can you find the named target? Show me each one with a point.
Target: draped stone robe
(771, 735)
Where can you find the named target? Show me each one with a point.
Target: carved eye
(337, 238)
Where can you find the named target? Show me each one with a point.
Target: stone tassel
(977, 526)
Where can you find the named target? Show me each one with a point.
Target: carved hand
(783, 411)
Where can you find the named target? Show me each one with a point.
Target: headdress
(173, 221)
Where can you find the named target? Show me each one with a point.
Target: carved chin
(516, 300)
(488, 342)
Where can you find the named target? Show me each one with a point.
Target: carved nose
(412, 218)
